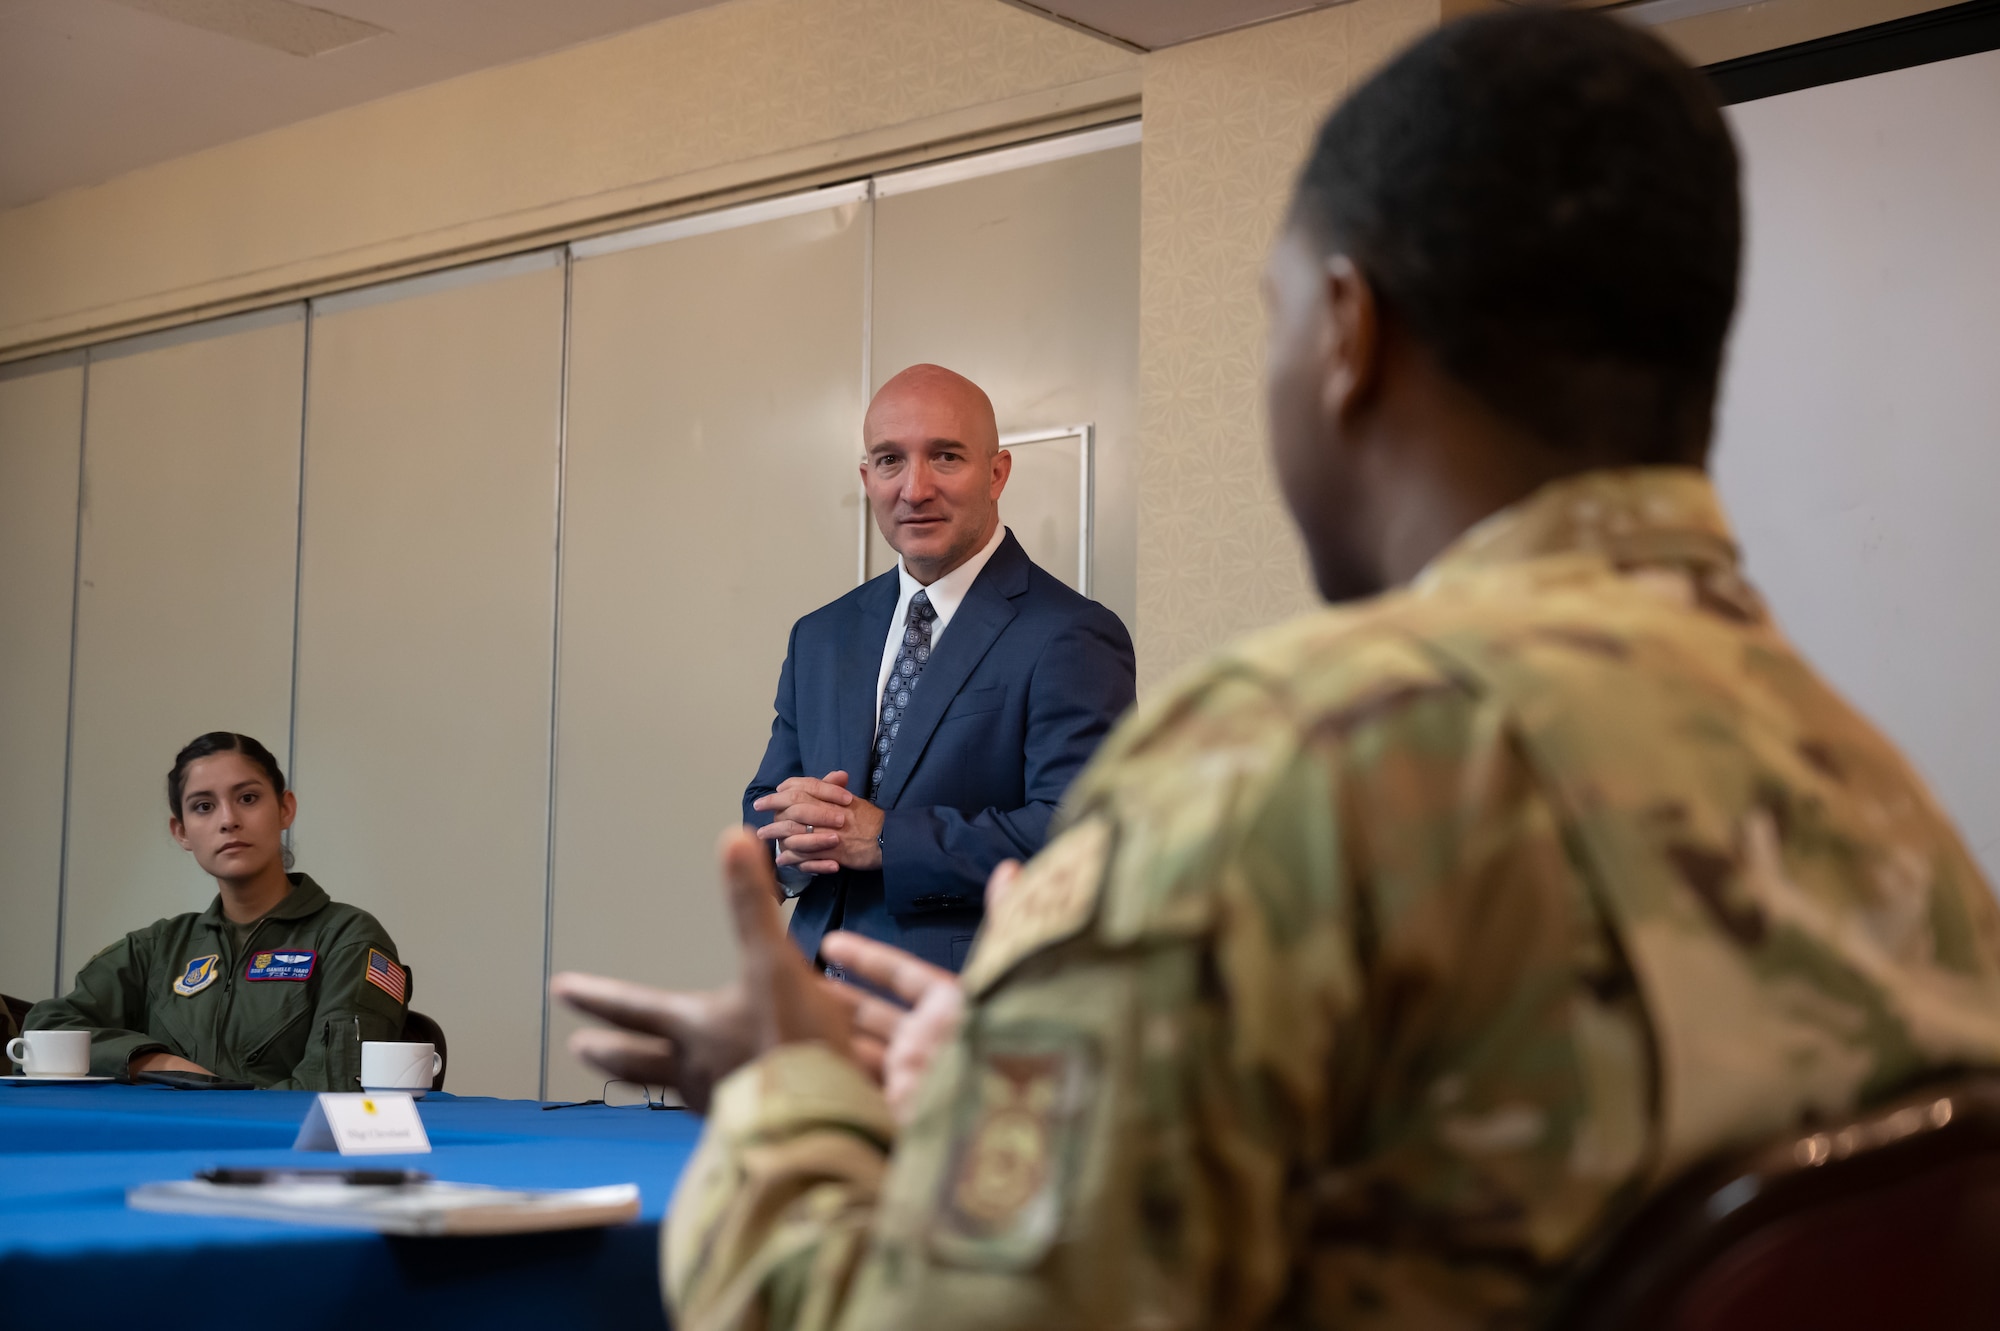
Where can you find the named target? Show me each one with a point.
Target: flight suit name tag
(281, 964)
(364, 1123)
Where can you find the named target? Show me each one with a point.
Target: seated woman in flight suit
(273, 984)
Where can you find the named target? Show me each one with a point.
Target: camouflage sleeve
(109, 1001)
(771, 1215)
(1285, 1023)
(351, 1009)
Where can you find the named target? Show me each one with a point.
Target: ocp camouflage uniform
(286, 1010)
(1385, 958)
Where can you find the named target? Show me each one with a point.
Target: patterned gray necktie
(911, 657)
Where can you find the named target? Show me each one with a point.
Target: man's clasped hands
(690, 1040)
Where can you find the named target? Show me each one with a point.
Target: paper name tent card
(425, 1209)
(364, 1124)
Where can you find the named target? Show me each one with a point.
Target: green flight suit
(1382, 961)
(287, 1010)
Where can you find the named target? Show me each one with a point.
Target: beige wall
(1227, 122)
(41, 440)
(750, 98)
(747, 92)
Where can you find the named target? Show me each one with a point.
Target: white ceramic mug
(52, 1053)
(399, 1065)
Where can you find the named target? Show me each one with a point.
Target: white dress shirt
(946, 594)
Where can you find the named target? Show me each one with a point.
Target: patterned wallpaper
(1227, 123)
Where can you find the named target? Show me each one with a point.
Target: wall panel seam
(555, 672)
(867, 370)
(75, 616)
(299, 556)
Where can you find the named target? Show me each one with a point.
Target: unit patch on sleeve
(1016, 1132)
(387, 976)
(282, 964)
(200, 974)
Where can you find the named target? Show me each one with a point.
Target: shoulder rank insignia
(1052, 900)
(284, 964)
(200, 974)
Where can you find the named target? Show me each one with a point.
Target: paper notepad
(413, 1208)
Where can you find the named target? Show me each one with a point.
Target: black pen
(378, 1178)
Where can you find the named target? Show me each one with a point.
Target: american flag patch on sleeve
(387, 976)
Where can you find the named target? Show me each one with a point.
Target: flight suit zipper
(227, 1008)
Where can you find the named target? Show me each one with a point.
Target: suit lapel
(987, 609)
(859, 666)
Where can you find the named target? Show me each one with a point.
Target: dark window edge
(1941, 34)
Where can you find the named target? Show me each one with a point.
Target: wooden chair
(1890, 1219)
(417, 1026)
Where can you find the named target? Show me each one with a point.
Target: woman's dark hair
(1549, 203)
(220, 741)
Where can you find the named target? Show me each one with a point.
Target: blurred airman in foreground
(1386, 957)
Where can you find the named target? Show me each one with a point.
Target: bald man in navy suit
(929, 721)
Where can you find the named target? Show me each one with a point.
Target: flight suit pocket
(274, 1056)
(340, 1042)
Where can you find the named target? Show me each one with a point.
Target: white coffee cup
(52, 1053)
(399, 1065)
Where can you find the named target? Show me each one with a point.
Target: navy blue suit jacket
(1026, 681)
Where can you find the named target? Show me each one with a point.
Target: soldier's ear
(1354, 359)
(178, 832)
(288, 805)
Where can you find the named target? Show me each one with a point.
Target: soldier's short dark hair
(1548, 203)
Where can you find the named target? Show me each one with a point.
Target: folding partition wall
(501, 562)
(41, 435)
(426, 615)
(186, 566)
(715, 398)
(1020, 269)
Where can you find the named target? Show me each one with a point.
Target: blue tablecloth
(73, 1255)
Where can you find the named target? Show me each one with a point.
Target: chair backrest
(1890, 1219)
(17, 1008)
(417, 1026)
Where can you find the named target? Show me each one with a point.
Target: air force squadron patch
(283, 964)
(200, 974)
(1016, 1132)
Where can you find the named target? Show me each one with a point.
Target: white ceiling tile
(91, 89)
